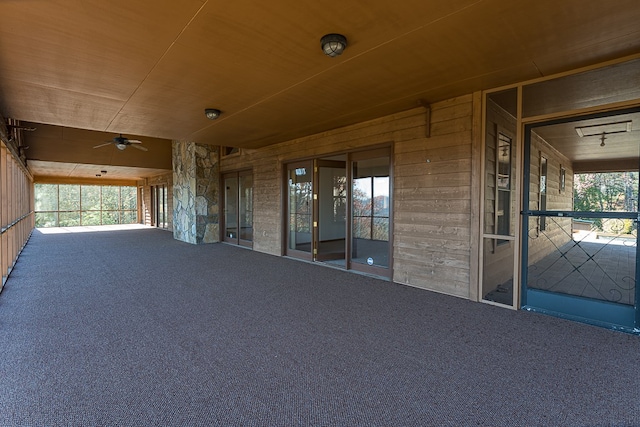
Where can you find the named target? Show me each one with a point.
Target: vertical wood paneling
(16, 202)
(4, 213)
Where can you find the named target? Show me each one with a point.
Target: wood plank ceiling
(150, 68)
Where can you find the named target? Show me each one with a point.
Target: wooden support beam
(427, 107)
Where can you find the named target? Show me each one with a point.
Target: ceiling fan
(121, 143)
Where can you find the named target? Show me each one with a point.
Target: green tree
(606, 192)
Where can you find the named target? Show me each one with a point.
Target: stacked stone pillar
(196, 188)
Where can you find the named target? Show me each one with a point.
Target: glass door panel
(246, 207)
(500, 201)
(300, 209)
(159, 205)
(370, 210)
(238, 208)
(164, 206)
(338, 211)
(231, 208)
(332, 211)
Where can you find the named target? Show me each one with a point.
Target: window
(68, 205)
(238, 207)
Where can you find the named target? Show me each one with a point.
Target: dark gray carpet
(132, 328)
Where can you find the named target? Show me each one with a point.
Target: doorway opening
(580, 222)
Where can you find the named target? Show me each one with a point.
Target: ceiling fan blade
(134, 141)
(102, 145)
(140, 147)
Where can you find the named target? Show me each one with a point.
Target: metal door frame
(602, 313)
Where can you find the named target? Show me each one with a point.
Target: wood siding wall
(432, 189)
(432, 203)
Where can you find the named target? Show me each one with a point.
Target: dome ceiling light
(212, 113)
(333, 44)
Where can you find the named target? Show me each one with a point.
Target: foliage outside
(607, 192)
(68, 205)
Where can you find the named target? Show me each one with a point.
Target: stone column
(196, 183)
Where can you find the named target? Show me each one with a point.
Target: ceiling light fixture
(333, 44)
(212, 113)
(604, 128)
(121, 146)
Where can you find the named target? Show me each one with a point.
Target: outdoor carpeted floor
(133, 328)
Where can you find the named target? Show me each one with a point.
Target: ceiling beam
(612, 165)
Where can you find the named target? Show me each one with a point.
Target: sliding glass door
(238, 208)
(338, 211)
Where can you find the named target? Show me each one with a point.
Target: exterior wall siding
(432, 189)
(432, 203)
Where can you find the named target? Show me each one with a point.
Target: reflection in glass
(497, 272)
(246, 207)
(503, 184)
(300, 208)
(499, 198)
(231, 207)
(332, 211)
(370, 211)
